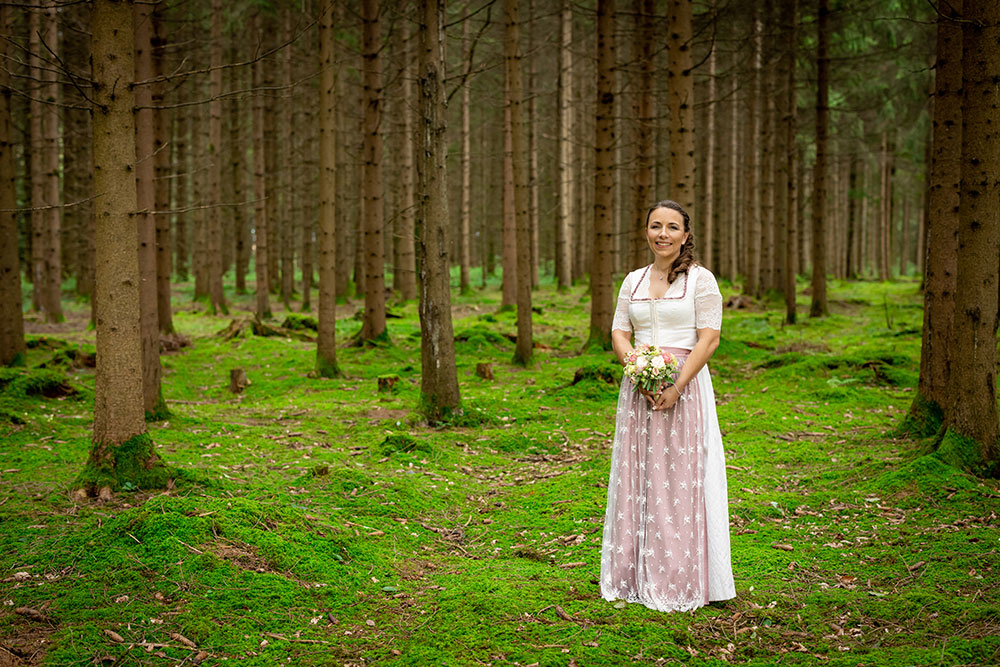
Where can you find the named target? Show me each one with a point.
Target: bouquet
(649, 367)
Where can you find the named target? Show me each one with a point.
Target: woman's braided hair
(686, 258)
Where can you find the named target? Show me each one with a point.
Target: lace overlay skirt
(656, 546)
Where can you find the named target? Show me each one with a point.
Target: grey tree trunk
(819, 308)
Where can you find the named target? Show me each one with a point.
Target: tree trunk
(216, 295)
(12, 345)
(260, 191)
(515, 99)
(182, 168)
(819, 308)
(708, 214)
(439, 393)
(601, 297)
(237, 168)
(508, 295)
(465, 226)
(285, 187)
(751, 179)
(564, 166)
(161, 171)
(145, 175)
(52, 287)
(972, 383)
(645, 12)
(784, 211)
(121, 451)
(942, 225)
(406, 266)
(326, 339)
(373, 326)
(680, 104)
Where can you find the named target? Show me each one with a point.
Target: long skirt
(666, 530)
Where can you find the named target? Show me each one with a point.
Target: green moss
(327, 369)
(23, 383)
(134, 463)
(401, 442)
(300, 322)
(924, 418)
(963, 453)
(160, 411)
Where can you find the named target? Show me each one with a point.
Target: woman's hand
(663, 399)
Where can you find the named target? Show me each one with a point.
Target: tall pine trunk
(565, 168)
(819, 308)
(944, 194)
(12, 345)
(642, 193)
(972, 414)
(439, 393)
(260, 191)
(326, 339)
(680, 104)
(145, 174)
(121, 452)
(601, 296)
(373, 327)
(216, 295)
(161, 171)
(515, 85)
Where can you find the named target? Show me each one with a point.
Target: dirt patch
(380, 413)
(27, 645)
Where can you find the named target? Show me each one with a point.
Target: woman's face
(665, 234)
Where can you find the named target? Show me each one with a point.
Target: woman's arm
(621, 342)
(708, 341)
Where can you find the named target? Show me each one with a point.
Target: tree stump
(485, 370)
(238, 380)
(387, 382)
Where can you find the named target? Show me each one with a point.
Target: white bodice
(692, 302)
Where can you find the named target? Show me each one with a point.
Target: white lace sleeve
(707, 301)
(622, 321)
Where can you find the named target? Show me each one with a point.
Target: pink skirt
(655, 547)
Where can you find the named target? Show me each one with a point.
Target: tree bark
(405, 276)
(708, 214)
(373, 326)
(161, 173)
(120, 452)
(645, 12)
(12, 345)
(680, 104)
(508, 294)
(145, 175)
(565, 167)
(972, 382)
(439, 392)
(52, 287)
(515, 86)
(819, 308)
(217, 298)
(944, 194)
(326, 339)
(752, 195)
(785, 154)
(465, 227)
(285, 187)
(260, 190)
(601, 297)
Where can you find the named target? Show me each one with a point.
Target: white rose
(658, 362)
(640, 363)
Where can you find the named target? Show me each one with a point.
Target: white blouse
(693, 301)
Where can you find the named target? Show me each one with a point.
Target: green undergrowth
(318, 521)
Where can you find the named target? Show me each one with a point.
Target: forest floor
(319, 522)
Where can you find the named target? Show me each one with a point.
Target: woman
(666, 530)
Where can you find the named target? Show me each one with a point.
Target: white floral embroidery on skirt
(655, 547)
